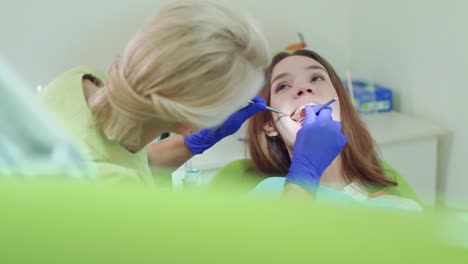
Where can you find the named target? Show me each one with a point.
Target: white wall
(325, 24)
(420, 49)
(43, 38)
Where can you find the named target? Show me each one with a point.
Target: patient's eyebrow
(311, 67)
(315, 67)
(279, 76)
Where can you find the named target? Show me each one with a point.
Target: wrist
(305, 176)
(309, 186)
(199, 142)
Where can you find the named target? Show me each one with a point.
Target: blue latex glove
(206, 138)
(318, 143)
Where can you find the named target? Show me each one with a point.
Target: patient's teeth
(299, 114)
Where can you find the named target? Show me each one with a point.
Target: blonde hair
(194, 62)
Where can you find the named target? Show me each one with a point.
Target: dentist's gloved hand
(206, 138)
(318, 143)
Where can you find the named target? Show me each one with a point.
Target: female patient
(297, 84)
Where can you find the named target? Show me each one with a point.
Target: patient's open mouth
(299, 114)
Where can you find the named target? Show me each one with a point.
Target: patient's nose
(303, 89)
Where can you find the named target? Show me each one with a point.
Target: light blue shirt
(272, 187)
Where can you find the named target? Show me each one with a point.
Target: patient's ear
(270, 130)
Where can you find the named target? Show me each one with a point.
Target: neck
(332, 177)
(149, 133)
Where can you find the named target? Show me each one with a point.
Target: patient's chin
(336, 117)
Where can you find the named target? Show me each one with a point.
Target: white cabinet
(406, 143)
(410, 146)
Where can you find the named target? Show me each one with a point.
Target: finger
(259, 99)
(337, 125)
(248, 111)
(344, 139)
(317, 107)
(310, 116)
(253, 109)
(325, 114)
(258, 104)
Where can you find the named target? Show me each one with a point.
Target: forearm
(169, 152)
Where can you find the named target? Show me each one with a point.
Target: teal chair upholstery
(239, 176)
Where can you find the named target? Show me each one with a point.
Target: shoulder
(238, 176)
(114, 174)
(83, 70)
(269, 187)
(73, 77)
(113, 164)
(65, 98)
(403, 189)
(398, 202)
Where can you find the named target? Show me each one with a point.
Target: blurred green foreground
(81, 223)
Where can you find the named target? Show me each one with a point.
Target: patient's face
(295, 82)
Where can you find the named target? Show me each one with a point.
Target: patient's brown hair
(359, 159)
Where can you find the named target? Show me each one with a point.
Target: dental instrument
(271, 109)
(325, 105)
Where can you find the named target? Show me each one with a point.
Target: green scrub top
(109, 160)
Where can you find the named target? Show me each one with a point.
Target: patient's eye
(317, 77)
(281, 87)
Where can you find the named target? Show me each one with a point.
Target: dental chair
(71, 223)
(32, 143)
(239, 177)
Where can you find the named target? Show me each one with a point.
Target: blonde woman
(190, 67)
